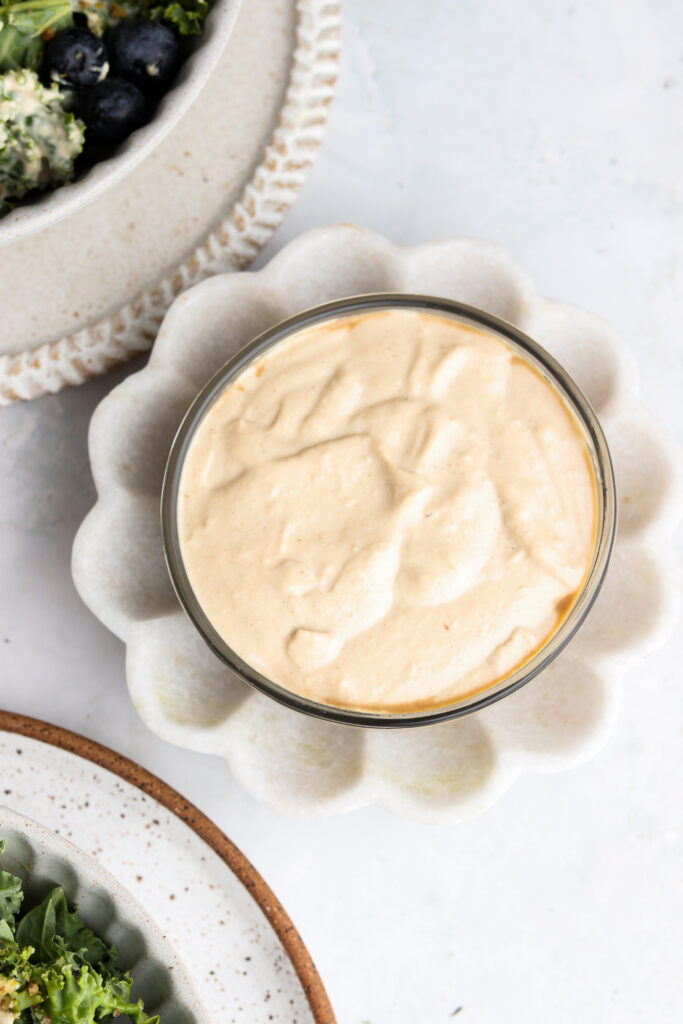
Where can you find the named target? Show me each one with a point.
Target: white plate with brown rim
(233, 937)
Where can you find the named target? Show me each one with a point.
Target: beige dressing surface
(387, 512)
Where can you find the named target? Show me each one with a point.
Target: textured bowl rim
(71, 197)
(202, 826)
(551, 370)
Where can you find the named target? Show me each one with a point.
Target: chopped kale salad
(77, 77)
(53, 969)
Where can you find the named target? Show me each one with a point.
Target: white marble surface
(553, 129)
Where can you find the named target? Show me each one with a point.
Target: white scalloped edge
(298, 764)
(92, 351)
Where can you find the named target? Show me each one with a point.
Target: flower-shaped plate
(299, 764)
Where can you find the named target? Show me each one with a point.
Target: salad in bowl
(78, 77)
(52, 965)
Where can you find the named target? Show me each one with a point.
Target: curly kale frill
(39, 138)
(53, 966)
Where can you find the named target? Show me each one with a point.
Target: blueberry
(112, 110)
(147, 53)
(75, 59)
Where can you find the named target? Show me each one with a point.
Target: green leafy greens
(11, 895)
(187, 15)
(39, 138)
(26, 26)
(54, 932)
(52, 965)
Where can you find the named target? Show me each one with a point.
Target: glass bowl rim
(533, 352)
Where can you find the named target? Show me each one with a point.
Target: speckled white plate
(43, 859)
(231, 934)
(436, 773)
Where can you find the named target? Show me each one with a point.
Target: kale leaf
(186, 15)
(53, 933)
(25, 28)
(39, 138)
(81, 996)
(11, 895)
(60, 969)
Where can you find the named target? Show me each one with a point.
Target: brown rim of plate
(247, 874)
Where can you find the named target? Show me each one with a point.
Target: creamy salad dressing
(388, 511)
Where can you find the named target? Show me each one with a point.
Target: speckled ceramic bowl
(53, 206)
(43, 859)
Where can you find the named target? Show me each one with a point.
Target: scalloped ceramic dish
(53, 206)
(296, 763)
(43, 859)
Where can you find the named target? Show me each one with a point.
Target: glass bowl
(544, 364)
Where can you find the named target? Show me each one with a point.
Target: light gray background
(553, 129)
